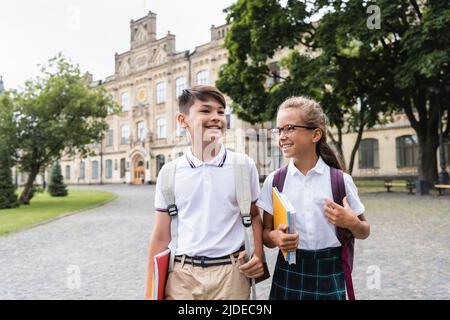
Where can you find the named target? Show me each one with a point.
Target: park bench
(409, 184)
(441, 188)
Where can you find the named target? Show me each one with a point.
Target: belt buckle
(202, 259)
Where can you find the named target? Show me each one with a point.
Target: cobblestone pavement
(406, 257)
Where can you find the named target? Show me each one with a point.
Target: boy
(210, 227)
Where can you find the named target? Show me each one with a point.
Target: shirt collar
(218, 160)
(319, 167)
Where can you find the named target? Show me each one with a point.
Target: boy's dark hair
(200, 92)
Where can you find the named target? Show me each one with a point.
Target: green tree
(57, 113)
(56, 187)
(8, 196)
(412, 48)
(332, 72)
(399, 64)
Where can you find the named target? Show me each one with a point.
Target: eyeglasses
(289, 129)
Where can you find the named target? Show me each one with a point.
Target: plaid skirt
(317, 275)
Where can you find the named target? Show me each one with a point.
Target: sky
(90, 32)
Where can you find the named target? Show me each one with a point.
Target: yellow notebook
(283, 213)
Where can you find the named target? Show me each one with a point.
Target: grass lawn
(43, 207)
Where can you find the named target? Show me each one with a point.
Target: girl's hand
(286, 241)
(337, 215)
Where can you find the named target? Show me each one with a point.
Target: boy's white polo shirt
(209, 219)
(307, 194)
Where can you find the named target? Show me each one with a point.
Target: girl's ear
(181, 118)
(317, 135)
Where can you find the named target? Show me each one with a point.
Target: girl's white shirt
(307, 195)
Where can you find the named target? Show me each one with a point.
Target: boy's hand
(337, 215)
(254, 268)
(286, 241)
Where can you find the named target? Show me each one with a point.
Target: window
(125, 134)
(125, 101)
(368, 154)
(141, 131)
(161, 128)
(122, 168)
(203, 77)
(160, 92)
(82, 170)
(179, 154)
(110, 138)
(228, 116)
(67, 172)
(180, 85)
(447, 152)
(95, 169)
(181, 132)
(160, 160)
(109, 169)
(407, 151)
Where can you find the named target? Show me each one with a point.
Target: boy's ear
(181, 118)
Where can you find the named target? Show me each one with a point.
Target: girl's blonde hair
(313, 116)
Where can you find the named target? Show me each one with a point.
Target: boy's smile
(206, 120)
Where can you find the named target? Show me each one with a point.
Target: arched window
(407, 151)
(368, 154)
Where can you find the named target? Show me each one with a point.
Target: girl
(324, 251)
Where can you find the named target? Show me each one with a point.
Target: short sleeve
(265, 198)
(352, 195)
(160, 202)
(254, 180)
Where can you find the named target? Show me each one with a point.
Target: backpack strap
(344, 235)
(244, 200)
(279, 178)
(167, 173)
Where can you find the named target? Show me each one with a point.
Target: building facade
(146, 82)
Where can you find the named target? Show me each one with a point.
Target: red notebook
(160, 272)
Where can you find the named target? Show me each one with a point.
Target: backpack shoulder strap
(244, 200)
(337, 185)
(338, 190)
(280, 178)
(243, 186)
(168, 172)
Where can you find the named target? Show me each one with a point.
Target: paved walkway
(101, 253)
